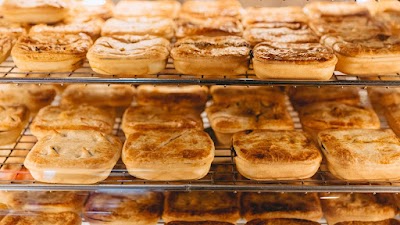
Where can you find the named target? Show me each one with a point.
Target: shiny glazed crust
(212, 9)
(160, 27)
(358, 207)
(201, 206)
(13, 120)
(80, 117)
(64, 218)
(282, 61)
(198, 223)
(139, 118)
(35, 11)
(278, 205)
(144, 208)
(219, 26)
(191, 96)
(168, 155)
(372, 155)
(335, 9)
(98, 95)
(51, 53)
(46, 201)
(129, 55)
(275, 155)
(281, 222)
(383, 222)
(223, 94)
(158, 8)
(211, 56)
(261, 15)
(88, 160)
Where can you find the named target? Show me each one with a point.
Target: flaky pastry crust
(158, 8)
(212, 9)
(281, 222)
(260, 15)
(335, 9)
(13, 120)
(27, 218)
(219, 26)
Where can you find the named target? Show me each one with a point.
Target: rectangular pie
(139, 118)
(56, 52)
(73, 117)
(211, 9)
(275, 155)
(158, 8)
(280, 205)
(300, 61)
(223, 94)
(286, 16)
(63, 218)
(281, 222)
(363, 207)
(142, 26)
(201, 206)
(129, 55)
(334, 115)
(231, 117)
(73, 157)
(362, 155)
(142, 208)
(211, 56)
(13, 120)
(168, 155)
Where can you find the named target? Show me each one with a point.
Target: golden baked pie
(310, 61)
(219, 26)
(201, 206)
(280, 205)
(383, 222)
(57, 52)
(291, 15)
(211, 56)
(366, 56)
(96, 9)
(72, 117)
(389, 12)
(140, 118)
(223, 94)
(73, 157)
(143, 208)
(275, 155)
(382, 97)
(211, 9)
(13, 120)
(160, 27)
(281, 222)
(63, 218)
(128, 55)
(362, 155)
(335, 9)
(6, 44)
(168, 155)
(341, 207)
(14, 29)
(157, 8)
(392, 114)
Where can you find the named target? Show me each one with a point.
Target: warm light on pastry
(92, 8)
(219, 26)
(211, 9)
(65, 218)
(265, 15)
(157, 8)
(6, 44)
(13, 120)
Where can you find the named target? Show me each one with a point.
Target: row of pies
(194, 208)
(166, 141)
(289, 43)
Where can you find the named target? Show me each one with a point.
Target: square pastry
(223, 94)
(334, 115)
(212, 9)
(72, 117)
(98, 95)
(211, 56)
(158, 8)
(35, 11)
(168, 155)
(219, 26)
(304, 61)
(63, 218)
(362, 155)
(267, 113)
(126, 56)
(57, 52)
(341, 207)
(73, 157)
(365, 56)
(45, 201)
(141, 208)
(201, 206)
(275, 155)
(160, 27)
(281, 222)
(283, 16)
(13, 120)
(139, 118)
(190, 96)
(280, 205)
(382, 222)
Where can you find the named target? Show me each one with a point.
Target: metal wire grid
(222, 176)
(9, 73)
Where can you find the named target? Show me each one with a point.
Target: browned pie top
(281, 222)
(209, 27)
(130, 47)
(297, 52)
(335, 9)
(158, 8)
(207, 9)
(380, 45)
(240, 93)
(257, 35)
(13, 117)
(292, 14)
(64, 218)
(198, 223)
(365, 147)
(263, 146)
(14, 4)
(201, 46)
(104, 208)
(383, 222)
